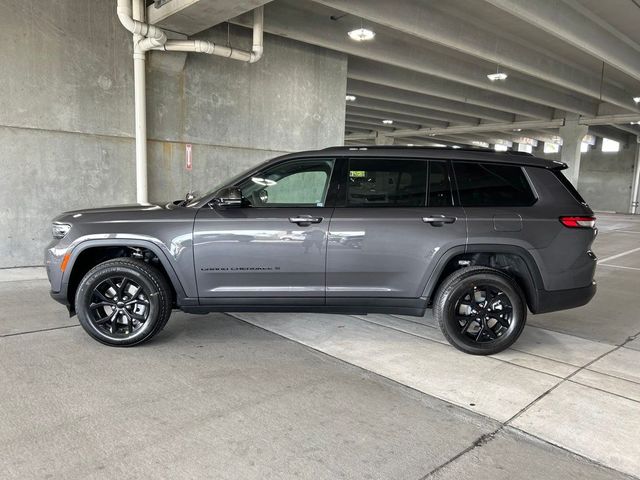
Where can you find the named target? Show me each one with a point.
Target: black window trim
(452, 186)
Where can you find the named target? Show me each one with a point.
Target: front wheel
(123, 302)
(480, 310)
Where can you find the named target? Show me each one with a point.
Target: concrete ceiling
(428, 63)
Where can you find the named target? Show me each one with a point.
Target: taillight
(578, 222)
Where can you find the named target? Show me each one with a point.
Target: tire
(471, 323)
(123, 302)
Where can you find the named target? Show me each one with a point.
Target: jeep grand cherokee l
(478, 236)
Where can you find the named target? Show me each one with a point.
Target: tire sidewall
(452, 295)
(97, 276)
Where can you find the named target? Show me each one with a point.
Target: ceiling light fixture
(456, 146)
(350, 98)
(361, 34)
(517, 129)
(409, 144)
(636, 99)
(497, 76)
(387, 122)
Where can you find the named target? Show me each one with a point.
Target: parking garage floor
(325, 396)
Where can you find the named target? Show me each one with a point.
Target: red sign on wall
(188, 156)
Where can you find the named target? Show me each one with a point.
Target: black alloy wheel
(119, 306)
(483, 313)
(480, 310)
(123, 302)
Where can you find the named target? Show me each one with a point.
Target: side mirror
(228, 197)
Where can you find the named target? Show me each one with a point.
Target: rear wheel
(123, 302)
(480, 310)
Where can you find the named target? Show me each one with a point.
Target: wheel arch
(512, 260)
(90, 253)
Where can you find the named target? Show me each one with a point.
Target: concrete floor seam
(477, 442)
(514, 348)
(567, 378)
(605, 391)
(17, 334)
(362, 369)
(492, 357)
(570, 452)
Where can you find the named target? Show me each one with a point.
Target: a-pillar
(572, 134)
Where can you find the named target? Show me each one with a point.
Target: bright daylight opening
(609, 145)
(551, 147)
(525, 148)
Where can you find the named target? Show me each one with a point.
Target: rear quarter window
(569, 186)
(492, 185)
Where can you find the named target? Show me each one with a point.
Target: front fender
(181, 276)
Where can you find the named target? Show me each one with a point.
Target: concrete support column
(635, 187)
(382, 139)
(140, 106)
(572, 134)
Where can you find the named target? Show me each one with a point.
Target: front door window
(299, 183)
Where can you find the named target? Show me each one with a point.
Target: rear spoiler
(559, 165)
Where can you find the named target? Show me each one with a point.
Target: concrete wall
(66, 115)
(605, 179)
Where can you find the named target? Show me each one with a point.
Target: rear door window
(492, 185)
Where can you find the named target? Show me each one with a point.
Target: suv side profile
(478, 236)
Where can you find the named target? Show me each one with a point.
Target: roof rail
(404, 147)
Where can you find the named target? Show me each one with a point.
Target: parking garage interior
(292, 395)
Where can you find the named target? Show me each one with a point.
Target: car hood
(115, 211)
(136, 207)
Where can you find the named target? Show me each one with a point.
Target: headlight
(59, 230)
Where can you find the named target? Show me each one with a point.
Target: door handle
(305, 220)
(438, 220)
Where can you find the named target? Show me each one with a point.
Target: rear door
(394, 219)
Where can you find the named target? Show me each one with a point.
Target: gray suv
(476, 235)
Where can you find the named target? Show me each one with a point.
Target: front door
(272, 249)
(396, 219)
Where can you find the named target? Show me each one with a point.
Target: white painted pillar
(572, 134)
(140, 105)
(635, 188)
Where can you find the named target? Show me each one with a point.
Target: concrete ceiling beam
(411, 17)
(419, 100)
(192, 16)
(301, 22)
(568, 23)
(371, 71)
(396, 117)
(376, 123)
(415, 112)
